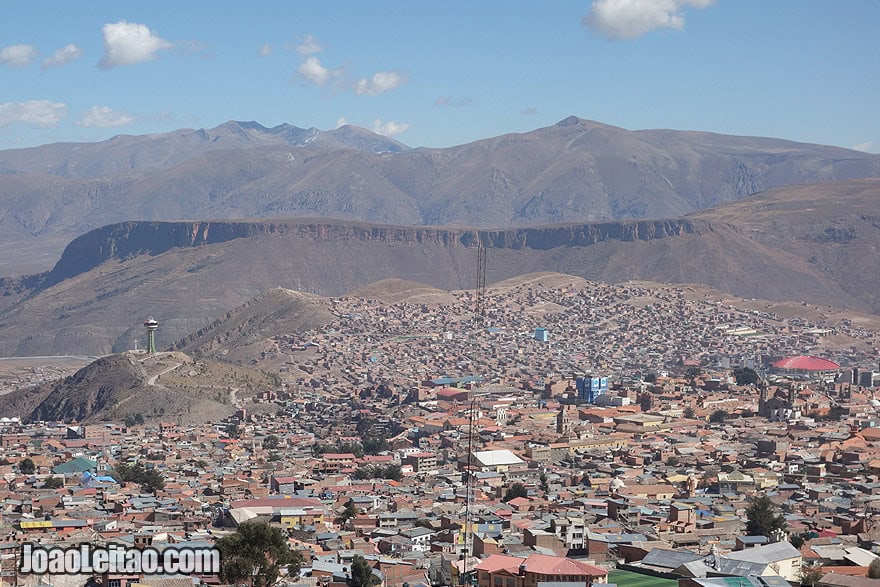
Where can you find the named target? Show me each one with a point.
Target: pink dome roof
(806, 363)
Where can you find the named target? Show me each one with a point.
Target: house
(779, 558)
(512, 571)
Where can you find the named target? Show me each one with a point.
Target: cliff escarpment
(813, 243)
(126, 240)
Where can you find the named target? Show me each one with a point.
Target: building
(589, 388)
(499, 461)
(779, 558)
(512, 571)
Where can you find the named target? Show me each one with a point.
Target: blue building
(589, 388)
(542, 334)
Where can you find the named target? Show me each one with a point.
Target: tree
(874, 569)
(255, 555)
(362, 573)
(514, 491)
(545, 487)
(271, 442)
(232, 431)
(348, 513)
(689, 413)
(134, 420)
(150, 479)
(692, 373)
(810, 576)
(762, 518)
(718, 416)
(27, 467)
(650, 378)
(53, 483)
(390, 471)
(746, 376)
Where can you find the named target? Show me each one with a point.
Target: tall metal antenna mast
(481, 280)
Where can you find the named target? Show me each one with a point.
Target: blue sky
(442, 73)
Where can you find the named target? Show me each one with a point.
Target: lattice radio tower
(481, 280)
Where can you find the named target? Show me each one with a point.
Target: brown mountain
(169, 386)
(573, 172)
(816, 243)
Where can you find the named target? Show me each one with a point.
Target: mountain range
(816, 243)
(576, 171)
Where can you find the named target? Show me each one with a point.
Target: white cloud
(529, 111)
(63, 56)
(266, 50)
(865, 147)
(380, 83)
(313, 72)
(41, 113)
(341, 121)
(629, 19)
(18, 55)
(309, 46)
(127, 43)
(390, 128)
(104, 117)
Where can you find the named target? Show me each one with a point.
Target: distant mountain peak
(570, 121)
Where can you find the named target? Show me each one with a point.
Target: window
(497, 582)
(114, 583)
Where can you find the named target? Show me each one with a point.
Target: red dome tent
(806, 363)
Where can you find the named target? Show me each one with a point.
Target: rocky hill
(576, 171)
(168, 386)
(815, 243)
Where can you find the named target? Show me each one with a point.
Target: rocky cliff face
(130, 239)
(814, 243)
(576, 172)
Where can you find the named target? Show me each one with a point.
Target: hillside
(576, 171)
(168, 386)
(240, 331)
(812, 243)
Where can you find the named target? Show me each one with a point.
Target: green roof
(630, 579)
(77, 465)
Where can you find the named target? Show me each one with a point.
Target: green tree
(373, 445)
(545, 487)
(762, 518)
(149, 479)
(271, 442)
(27, 467)
(650, 378)
(718, 416)
(836, 413)
(348, 513)
(53, 483)
(689, 413)
(232, 431)
(362, 573)
(810, 576)
(745, 376)
(692, 373)
(514, 491)
(874, 569)
(255, 555)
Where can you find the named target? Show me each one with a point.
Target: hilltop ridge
(576, 171)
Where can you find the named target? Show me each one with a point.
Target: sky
(438, 74)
